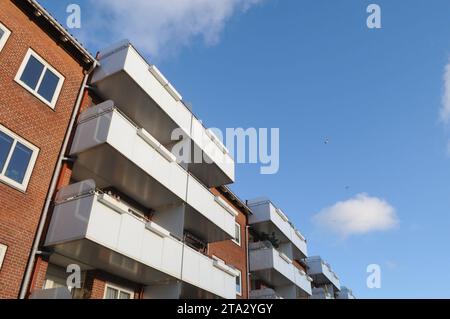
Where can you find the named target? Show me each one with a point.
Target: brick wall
(34, 121)
(230, 252)
(97, 280)
(39, 273)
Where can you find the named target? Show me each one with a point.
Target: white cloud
(162, 26)
(445, 110)
(359, 215)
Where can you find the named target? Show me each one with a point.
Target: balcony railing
(208, 274)
(268, 218)
(265, 293)
(322, 272)
(114, 151)
(149, 99)
(276, 268)
(101, 231)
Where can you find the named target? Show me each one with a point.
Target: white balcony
(269, 219)
(200, 199)
(113, 151)
(209, 274)
(264, 293)
(302, 280)
(146, 97)
(322, 272)
(276, 270)
(101, 232)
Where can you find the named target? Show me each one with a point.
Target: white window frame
(26, 179)
(119, 290)
(5, 37)
(3, 250)
(47, 66)
(238, 241)
(239, 293)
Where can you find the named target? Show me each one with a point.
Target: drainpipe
(53, 184)
(248, 261)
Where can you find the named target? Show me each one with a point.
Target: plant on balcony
(262, 236)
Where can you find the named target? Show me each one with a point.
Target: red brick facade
(232, 253)
(25, 115)
(96, 282)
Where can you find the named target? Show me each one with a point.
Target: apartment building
(326, 284)
(139, 218)
(277, 251)
(116, 190)
(42, 69)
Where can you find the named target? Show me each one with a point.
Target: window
(4, 35)
(237, 234)
(113, 292)
(17, 159)
(3, 249)
(239, 283)
(39, 78)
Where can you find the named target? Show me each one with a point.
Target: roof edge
(232, 197)
(65, 37)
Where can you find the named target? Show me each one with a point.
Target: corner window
(113, 292)
(17, 159)
(4, 35)
(40, 79)
(237, 234)
(239, 283)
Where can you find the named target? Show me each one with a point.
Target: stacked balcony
(101, 232)
(264, 293)
(126, 144)
(114, 151)
(146, 97)
(325, 279)
(276, 265)
(269, 219)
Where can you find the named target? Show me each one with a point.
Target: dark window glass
(5, 147)
(48, 85)
(237, 233)
(32, 72)
(238, 284)
(1, 33)
(17, 166)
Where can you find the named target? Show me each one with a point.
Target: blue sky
(314, 70)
